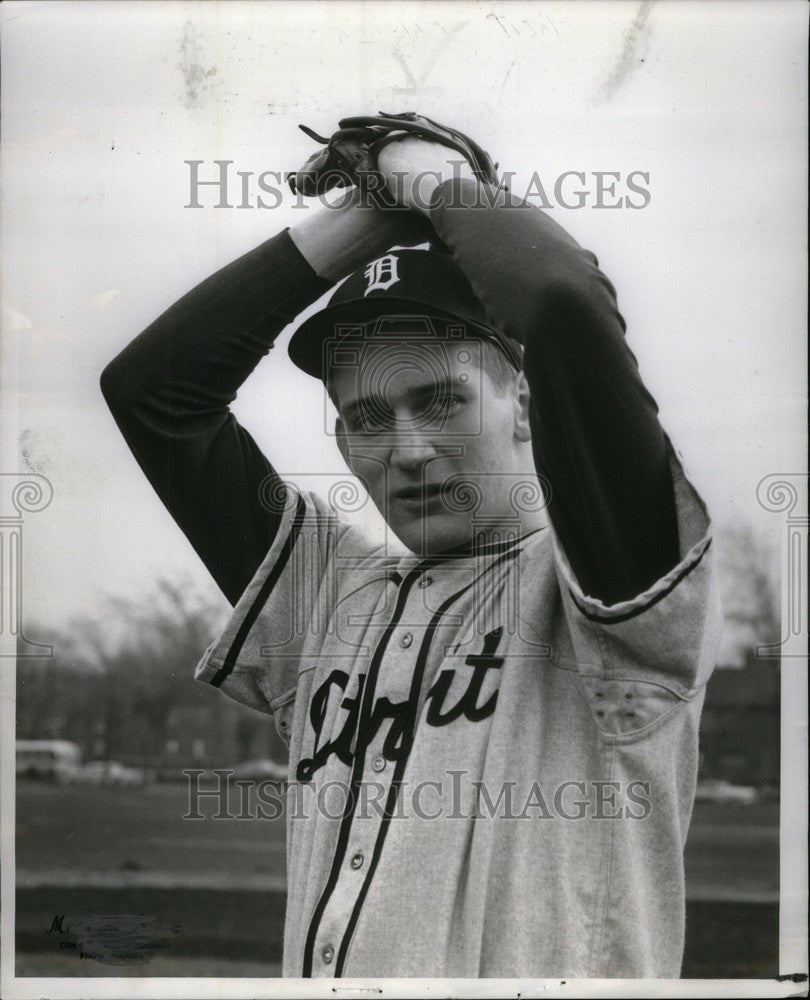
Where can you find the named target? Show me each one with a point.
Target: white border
(793, 871)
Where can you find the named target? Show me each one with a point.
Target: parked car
(262, 769)
(719, 790)
(106, 772)
(48, 759)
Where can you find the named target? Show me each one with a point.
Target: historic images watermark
(786, 493)
(321, 612)
(21, 493)
(220, 184)
(454, 796)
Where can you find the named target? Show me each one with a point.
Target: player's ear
(522, 400)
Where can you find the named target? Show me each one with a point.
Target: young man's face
(436, 439)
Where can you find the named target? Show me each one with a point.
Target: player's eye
(373, 420)
(449, 403)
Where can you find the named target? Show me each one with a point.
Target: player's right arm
(170, 390)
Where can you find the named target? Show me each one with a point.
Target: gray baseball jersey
(492, 774)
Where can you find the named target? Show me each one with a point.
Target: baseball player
(493, 731)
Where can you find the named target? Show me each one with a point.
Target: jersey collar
(476, 549)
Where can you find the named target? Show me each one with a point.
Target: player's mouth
(421, 496)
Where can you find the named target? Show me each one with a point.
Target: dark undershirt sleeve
(595, 431)
(170, 391)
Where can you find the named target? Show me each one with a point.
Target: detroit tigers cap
(391, 293)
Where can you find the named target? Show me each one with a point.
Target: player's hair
(497, 365)
(493, 361)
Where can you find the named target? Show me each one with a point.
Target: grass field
(132, 850)
(92, 828)
(732, 851)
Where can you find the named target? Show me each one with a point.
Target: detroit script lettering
(356, 734)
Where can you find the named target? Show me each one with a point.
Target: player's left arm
(595, 430)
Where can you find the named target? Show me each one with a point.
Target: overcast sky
(103, 103)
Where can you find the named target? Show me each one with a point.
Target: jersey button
(328, 954)
(357, 860)
(425, 581)
(406, 640)
(378, 763)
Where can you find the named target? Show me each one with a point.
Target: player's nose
(411, 450)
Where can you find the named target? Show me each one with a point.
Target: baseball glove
(350, 154)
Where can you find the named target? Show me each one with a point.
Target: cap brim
(308, 345)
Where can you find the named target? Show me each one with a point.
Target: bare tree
(749, 578)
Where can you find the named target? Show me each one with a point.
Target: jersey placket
(370, 795)
(403, 666)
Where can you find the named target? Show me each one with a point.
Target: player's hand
(336, 241)
(413, 168)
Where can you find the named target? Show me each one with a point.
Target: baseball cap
(395, 288)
